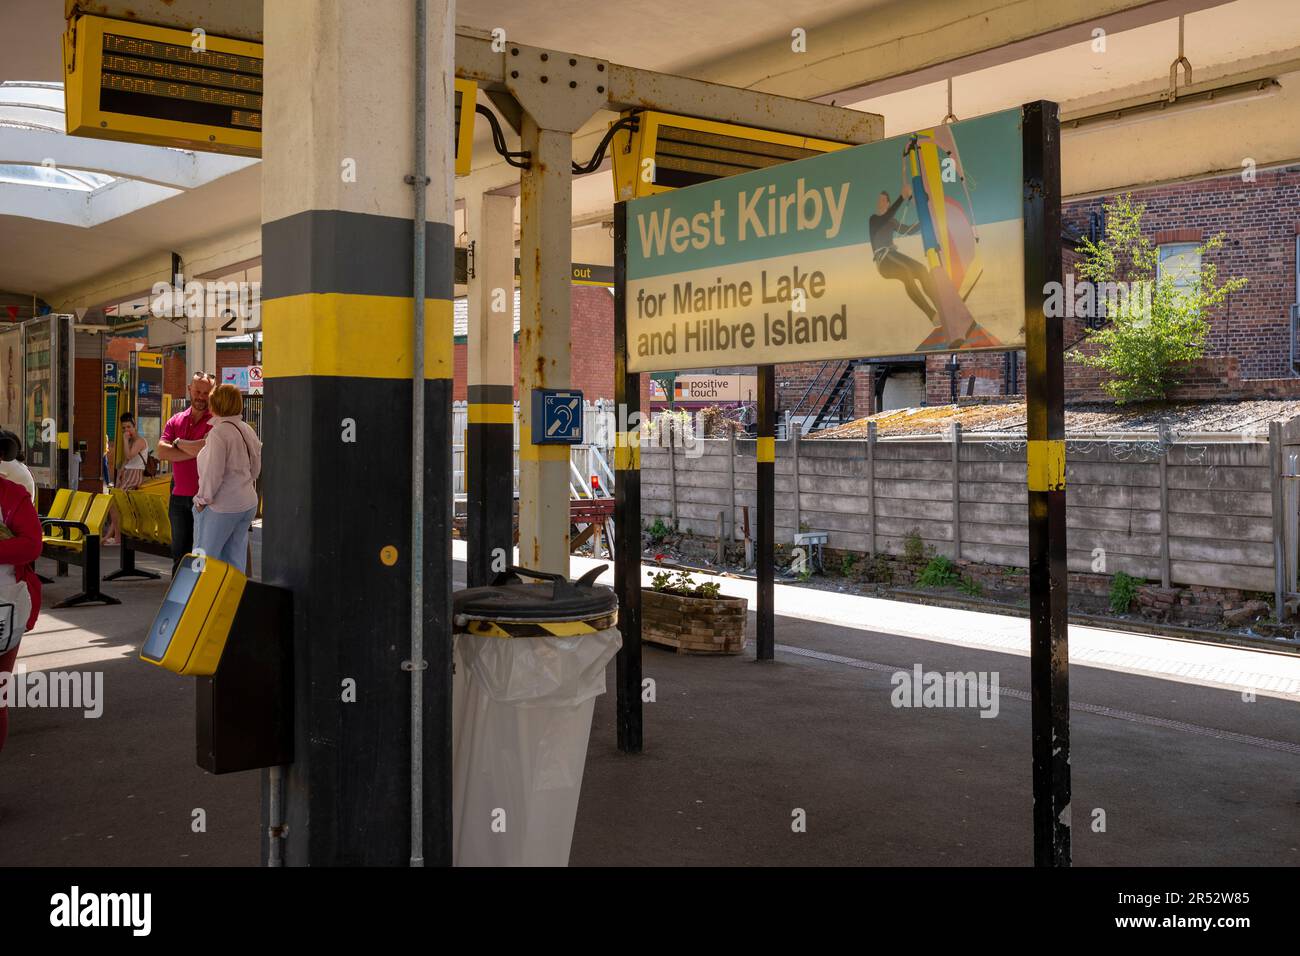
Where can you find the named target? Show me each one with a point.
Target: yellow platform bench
(72, 532)
(145, 526)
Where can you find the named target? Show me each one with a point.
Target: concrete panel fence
(1176, 511)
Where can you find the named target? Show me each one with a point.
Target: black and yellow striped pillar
(490, 370)
(627, 508)
(338, 315)
(765, 558)
(489, 482)
(1049, 662)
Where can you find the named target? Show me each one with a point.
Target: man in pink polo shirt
(182, 440)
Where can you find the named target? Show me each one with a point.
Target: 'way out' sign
(911, 244)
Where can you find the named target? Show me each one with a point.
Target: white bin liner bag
(522, 712)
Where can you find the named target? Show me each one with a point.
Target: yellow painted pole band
(491, 413)
(338, 334)
(531, 452)
(627, 458)
(542, 453)
(766, 449)
(627, 451)
(1046, 459)
(512, 629)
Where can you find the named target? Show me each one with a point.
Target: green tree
(1158, 318)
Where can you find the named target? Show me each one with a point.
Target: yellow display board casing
(466, 105)
(189, 637)
(189, 75)
(634, 152)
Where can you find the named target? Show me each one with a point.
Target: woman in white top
(229, 464)
(11, 462)
(130, 474)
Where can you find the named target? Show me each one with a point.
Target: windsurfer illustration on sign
(891, 263)
(951, 267)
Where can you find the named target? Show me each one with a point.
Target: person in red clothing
(20, 552)
(182, 440)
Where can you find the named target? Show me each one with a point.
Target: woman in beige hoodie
(229, 464)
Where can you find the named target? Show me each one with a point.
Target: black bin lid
(509, 598)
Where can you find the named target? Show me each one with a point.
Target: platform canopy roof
(94, 240)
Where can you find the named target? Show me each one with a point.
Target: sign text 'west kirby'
(759, 213)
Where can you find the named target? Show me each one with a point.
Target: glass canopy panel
(48, 176)
(31, 117)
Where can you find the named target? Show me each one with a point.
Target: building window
(1297, 267)
(1180, 262)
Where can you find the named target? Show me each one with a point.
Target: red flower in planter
(659, 558)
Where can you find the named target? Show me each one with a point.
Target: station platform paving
(1185, 769)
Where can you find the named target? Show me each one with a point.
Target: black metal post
(765, 465)
(1045, 392)
(627, 506)
(489, 481)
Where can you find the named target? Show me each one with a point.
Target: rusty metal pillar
(558, 92)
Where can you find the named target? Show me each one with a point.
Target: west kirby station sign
(911, 244)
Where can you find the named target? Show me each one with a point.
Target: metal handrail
(823, 398)
(834, 410)
(798, 406)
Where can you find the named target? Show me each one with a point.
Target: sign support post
(765, 465)
(1048, 574)
(627, 504)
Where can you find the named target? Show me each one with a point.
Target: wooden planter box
(693, 625)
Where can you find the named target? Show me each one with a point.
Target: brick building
(1249, 348)
(1248, 352)
(592, 349)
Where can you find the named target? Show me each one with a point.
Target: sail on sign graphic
(910, 244)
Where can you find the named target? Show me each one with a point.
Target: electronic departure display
(163, 86)
(171, 82)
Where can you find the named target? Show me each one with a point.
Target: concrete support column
(545, 242)
(489, 436)
(338, 315)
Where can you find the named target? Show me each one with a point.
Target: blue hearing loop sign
(557, 417)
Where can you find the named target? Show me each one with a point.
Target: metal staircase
(828, 399)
